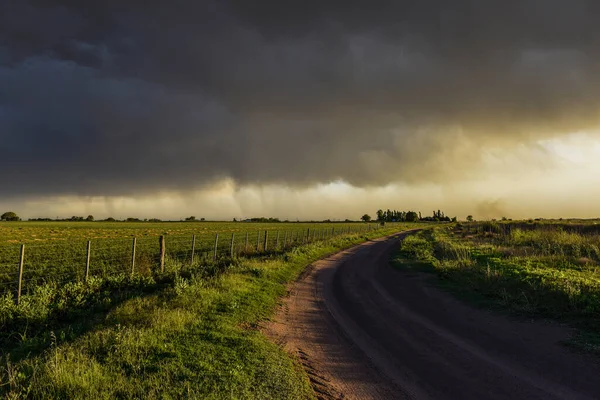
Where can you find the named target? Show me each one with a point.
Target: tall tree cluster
(410, 216)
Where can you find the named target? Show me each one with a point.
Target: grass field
(192, 332)
(549, 269)
(34, 232)
(57, 251)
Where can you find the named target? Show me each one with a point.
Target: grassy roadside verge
(550, 274)
(196, 337)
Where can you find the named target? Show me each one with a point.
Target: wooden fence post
(216, 247)
(133, 256)
(231, 249)
(87, 262)
(307, 235)
(266, 241)
(161, 241)
(193, 249)
(21, 263)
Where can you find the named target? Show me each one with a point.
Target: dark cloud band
(121, 97)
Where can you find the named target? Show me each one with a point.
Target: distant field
(57, 251)
(36, 232)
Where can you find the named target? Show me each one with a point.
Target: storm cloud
(122, 97)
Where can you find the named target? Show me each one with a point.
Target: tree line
(407, 216)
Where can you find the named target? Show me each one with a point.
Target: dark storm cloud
(119, 97)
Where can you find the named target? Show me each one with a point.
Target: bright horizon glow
(556, 178)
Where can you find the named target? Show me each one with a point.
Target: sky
(299, 110)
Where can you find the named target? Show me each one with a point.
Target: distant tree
(9, 216)
(202, 219)
(192, 218)
(235, 220)
(380, 215)
(90, 218)
(110, 219)
(264, 219)
(412, 216)
(154, 220)
(366, 218)
(470, 218)
(454, 219)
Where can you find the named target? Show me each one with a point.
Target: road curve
(363, 330)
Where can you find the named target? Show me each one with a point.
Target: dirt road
(363, 330)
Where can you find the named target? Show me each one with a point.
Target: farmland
(31, 232)
(190, 331)
(58, 251)
(544, 269)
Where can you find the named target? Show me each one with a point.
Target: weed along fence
(25, 266)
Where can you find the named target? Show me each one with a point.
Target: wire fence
(25, 266)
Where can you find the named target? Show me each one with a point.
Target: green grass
(57, 251)
(548, 271)
(193, 335)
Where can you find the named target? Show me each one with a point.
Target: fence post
(231, 249)
(161, 241)
(193, 249)
(277, 241)
(87, 262)
(307, 235)
(21, 263)
(133, 256)
(216, 247)
(266, 240)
